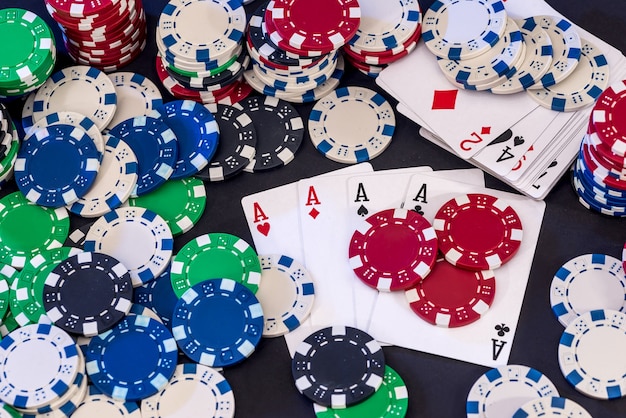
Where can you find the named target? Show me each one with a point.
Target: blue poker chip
(196, 131)
(155, 147)
(132, 361)
(218, 322)
(159, 296)
(57, 165)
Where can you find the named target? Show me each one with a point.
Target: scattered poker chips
(106, 34)
(390, 400)
(193, 390)
(139, 238)
(478, 231)
(590, 354)
(132, 361)
(286, 293)
(393, 249)
(335, 134)
(452, 297)
(218, 322)
(29, 58)
(551, 406)
(279, 128)
(338, 366)
(503, 390)
(215, 255)
(87, 293)
(585, 283)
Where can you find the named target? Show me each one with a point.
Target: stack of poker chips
(106, 34)
(295, 46)
(29, 57)
(542, 55)
(202, 65)
(599, 175)
(387, 33)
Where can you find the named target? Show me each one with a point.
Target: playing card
(487, 341)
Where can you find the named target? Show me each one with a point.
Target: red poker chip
(127, 28)
(82, 8)
(109, 17)
(452, 297)
(393, 249)
(609, 117)
(241, 91)
(478, 231)
(600, 173)
(369, 68)
(317, 27)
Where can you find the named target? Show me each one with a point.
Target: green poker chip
(7, 409)
(215, 256)
(7, 276)
(391, 400)
(27, 229)
(8, 324)
(180, 202)
(32, 279)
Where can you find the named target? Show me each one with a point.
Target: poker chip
(193, 390)
(218, 322)
(316, 375)
(503, 390)
(26, 229)
(156, 147)
(31, 57)
(180, 202)
(590, 353)
(212, 81)
(279, 130)
(137, 237)
(197, 135)
(334, 134)
(116, 179)
(393, 249)
(486, 68)
(536, 62)
(38, 157)
(87, 293)
(321, 27)
(585, 283)
(323, 89)
(81, 89)
(463, 29)
(136, 96)
(132, 361)
(478, 231)
(215, 255)
(452, 297)
(31, 282)
(158, 296)
(237, 142)
(551, 407)
(7, 411)
(606, 118)
(40, 362)
(566, 49)
(390, 400)
(582, 86)
(96, 405)
(362, 57)
(286, 294)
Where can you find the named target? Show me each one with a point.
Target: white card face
(272, 216)
(487, 341)
(466, 120)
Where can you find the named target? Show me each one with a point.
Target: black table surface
(437, 386)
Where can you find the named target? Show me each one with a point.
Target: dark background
(437, 386)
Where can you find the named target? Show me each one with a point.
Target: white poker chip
(139, 238)
(39, 363)
(98, 405)
(551, 407)
(586, 283)
(81, 89)
(352, 125)
(503, 390)
(286, 294)
(591, 354)
(194, 390)
(136, 96)
(463, 29)
(536, 61)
